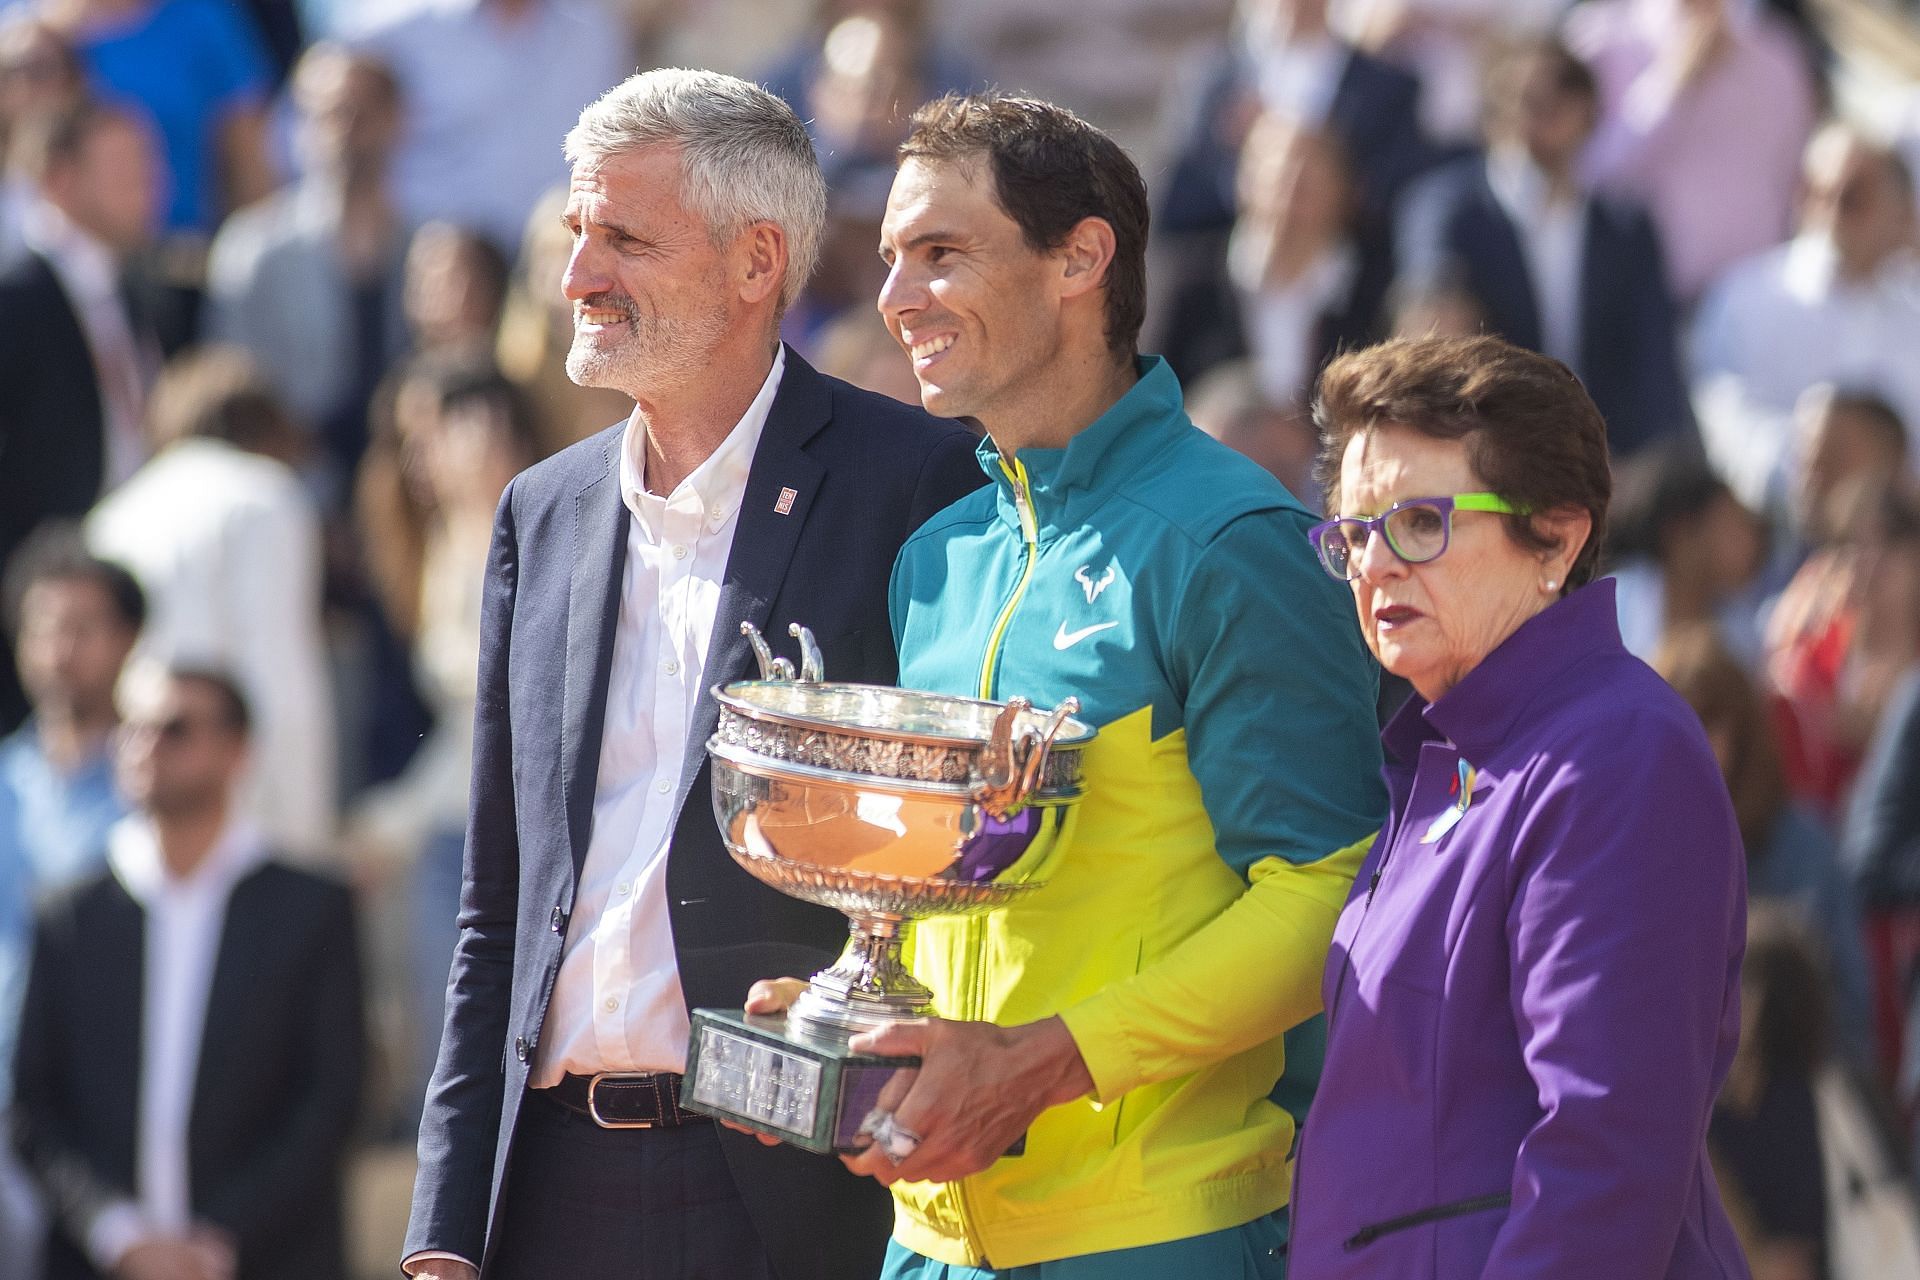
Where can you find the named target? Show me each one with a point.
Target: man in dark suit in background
(72, 357)
(1549, 264)
(1288, 63)
(191, 1047)
(598, 902)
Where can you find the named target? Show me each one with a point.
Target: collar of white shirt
(1521, 188)
(133, 851)
(85, 264)
(717, 484)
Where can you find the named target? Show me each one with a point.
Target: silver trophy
(888, 805)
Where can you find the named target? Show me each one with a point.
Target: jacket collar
(1067, 483)
(1479, 714)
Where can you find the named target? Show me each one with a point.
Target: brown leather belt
(614, 1100)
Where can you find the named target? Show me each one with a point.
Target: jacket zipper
(1030, 534)
(1346, 967)
(975, 932)
(1439, 1213)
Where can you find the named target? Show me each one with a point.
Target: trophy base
(785, 1079)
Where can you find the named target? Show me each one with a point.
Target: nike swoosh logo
(1065, 639)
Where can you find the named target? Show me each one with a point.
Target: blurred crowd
(281, 315)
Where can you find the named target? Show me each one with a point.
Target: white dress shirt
(1553, 239)
(617, 1004)
(185, 917)
(90, 278)
(1282, 321)
(1784, 321)
(1297, 79)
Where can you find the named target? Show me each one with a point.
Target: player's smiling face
(966, 296)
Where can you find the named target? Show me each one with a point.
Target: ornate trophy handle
(1015, 756)
(771, 668)
(813, 667)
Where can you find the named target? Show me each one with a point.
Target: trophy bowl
(888, 805)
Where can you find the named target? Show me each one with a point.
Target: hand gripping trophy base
(890, 806)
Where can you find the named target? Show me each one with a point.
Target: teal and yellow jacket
(1166, 582)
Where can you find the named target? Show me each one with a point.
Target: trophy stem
(867, 988)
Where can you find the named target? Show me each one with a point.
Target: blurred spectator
(74, 620)
(309, 280)
(191, 1049)
(1684, 553)
(850, 274)
(282, 35)
(1791, 857)
(536, 329)
(1842, 440)
(226, 542)
(1705, 106)
(1230, 405)
(1298, 284)
(1839, 640)
(1447, 43)
(869, 78)
(458, 457)
(1838, 303)
(1883, 817)
(860, 348)
(1282, 59)
(456, 286)
(73, 360)
(39, 75)
(489, 85)
(1551, 265)
(1798, 1149)
(934, 66)
(197, 73)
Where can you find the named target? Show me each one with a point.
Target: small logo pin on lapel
(785, 504)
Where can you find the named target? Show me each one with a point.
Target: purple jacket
(1533, 998)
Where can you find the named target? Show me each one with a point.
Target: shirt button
(622, 888)
(663, 786)
(679, 553)
(718, 513)
(612, 1003)
(671, 667)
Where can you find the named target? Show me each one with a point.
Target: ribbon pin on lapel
(1462, 797)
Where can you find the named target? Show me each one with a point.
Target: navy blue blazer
(864, 472)
(1453, 232)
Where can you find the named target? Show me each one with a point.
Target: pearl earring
(1552, 584)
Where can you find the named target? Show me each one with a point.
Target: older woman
(1533, 992)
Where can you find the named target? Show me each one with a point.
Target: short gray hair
(744, 155)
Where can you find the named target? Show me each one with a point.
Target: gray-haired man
(598, 902)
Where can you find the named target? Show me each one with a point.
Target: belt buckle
(593, 1102)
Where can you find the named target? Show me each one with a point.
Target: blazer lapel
(781, 486)
(245, 935)
(593, 610)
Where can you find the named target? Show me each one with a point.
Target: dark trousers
(620, 1204)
